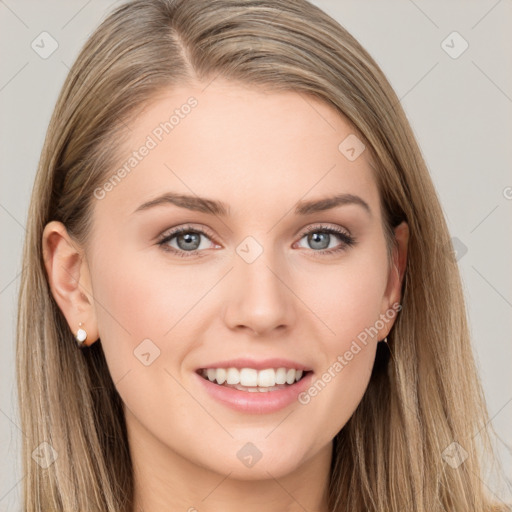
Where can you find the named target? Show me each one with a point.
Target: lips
(255, 402)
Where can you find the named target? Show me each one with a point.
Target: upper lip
(262, 364)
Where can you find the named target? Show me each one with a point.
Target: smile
(252, 380)
(265, 391)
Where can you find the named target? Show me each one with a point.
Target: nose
(259, 297)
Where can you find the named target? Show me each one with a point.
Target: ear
(69, 279)
(396, 274)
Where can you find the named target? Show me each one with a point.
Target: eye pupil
(191, 239)
(319, 238)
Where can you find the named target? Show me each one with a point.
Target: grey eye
(319, 240)
(188, 241)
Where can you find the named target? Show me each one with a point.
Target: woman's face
(244, 280)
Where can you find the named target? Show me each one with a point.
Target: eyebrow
(211, 206)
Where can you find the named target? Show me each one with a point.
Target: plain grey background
(459, 103)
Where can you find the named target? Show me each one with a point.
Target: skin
(259, 152)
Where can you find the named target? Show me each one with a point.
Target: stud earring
(81, 335)
(385, 340)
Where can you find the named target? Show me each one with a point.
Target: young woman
(238, 284)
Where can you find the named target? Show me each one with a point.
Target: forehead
(251, 148)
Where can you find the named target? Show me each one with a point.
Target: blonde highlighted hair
(424, 394)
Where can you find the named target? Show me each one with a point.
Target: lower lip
(256, 402)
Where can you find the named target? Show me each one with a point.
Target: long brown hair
(424, 394)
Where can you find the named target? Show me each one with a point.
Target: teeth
(233, 376)
(266, 378)
(281, 376)
(251, 379)
(221, 375)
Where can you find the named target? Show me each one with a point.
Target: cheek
(147, 306)
(335, 393)
(348, 357)
(144, 298)
(346, 297)
(136, 307)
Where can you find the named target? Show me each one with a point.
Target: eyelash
(347, 240)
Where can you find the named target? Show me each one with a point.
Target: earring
(385, 340)
(81, 335)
